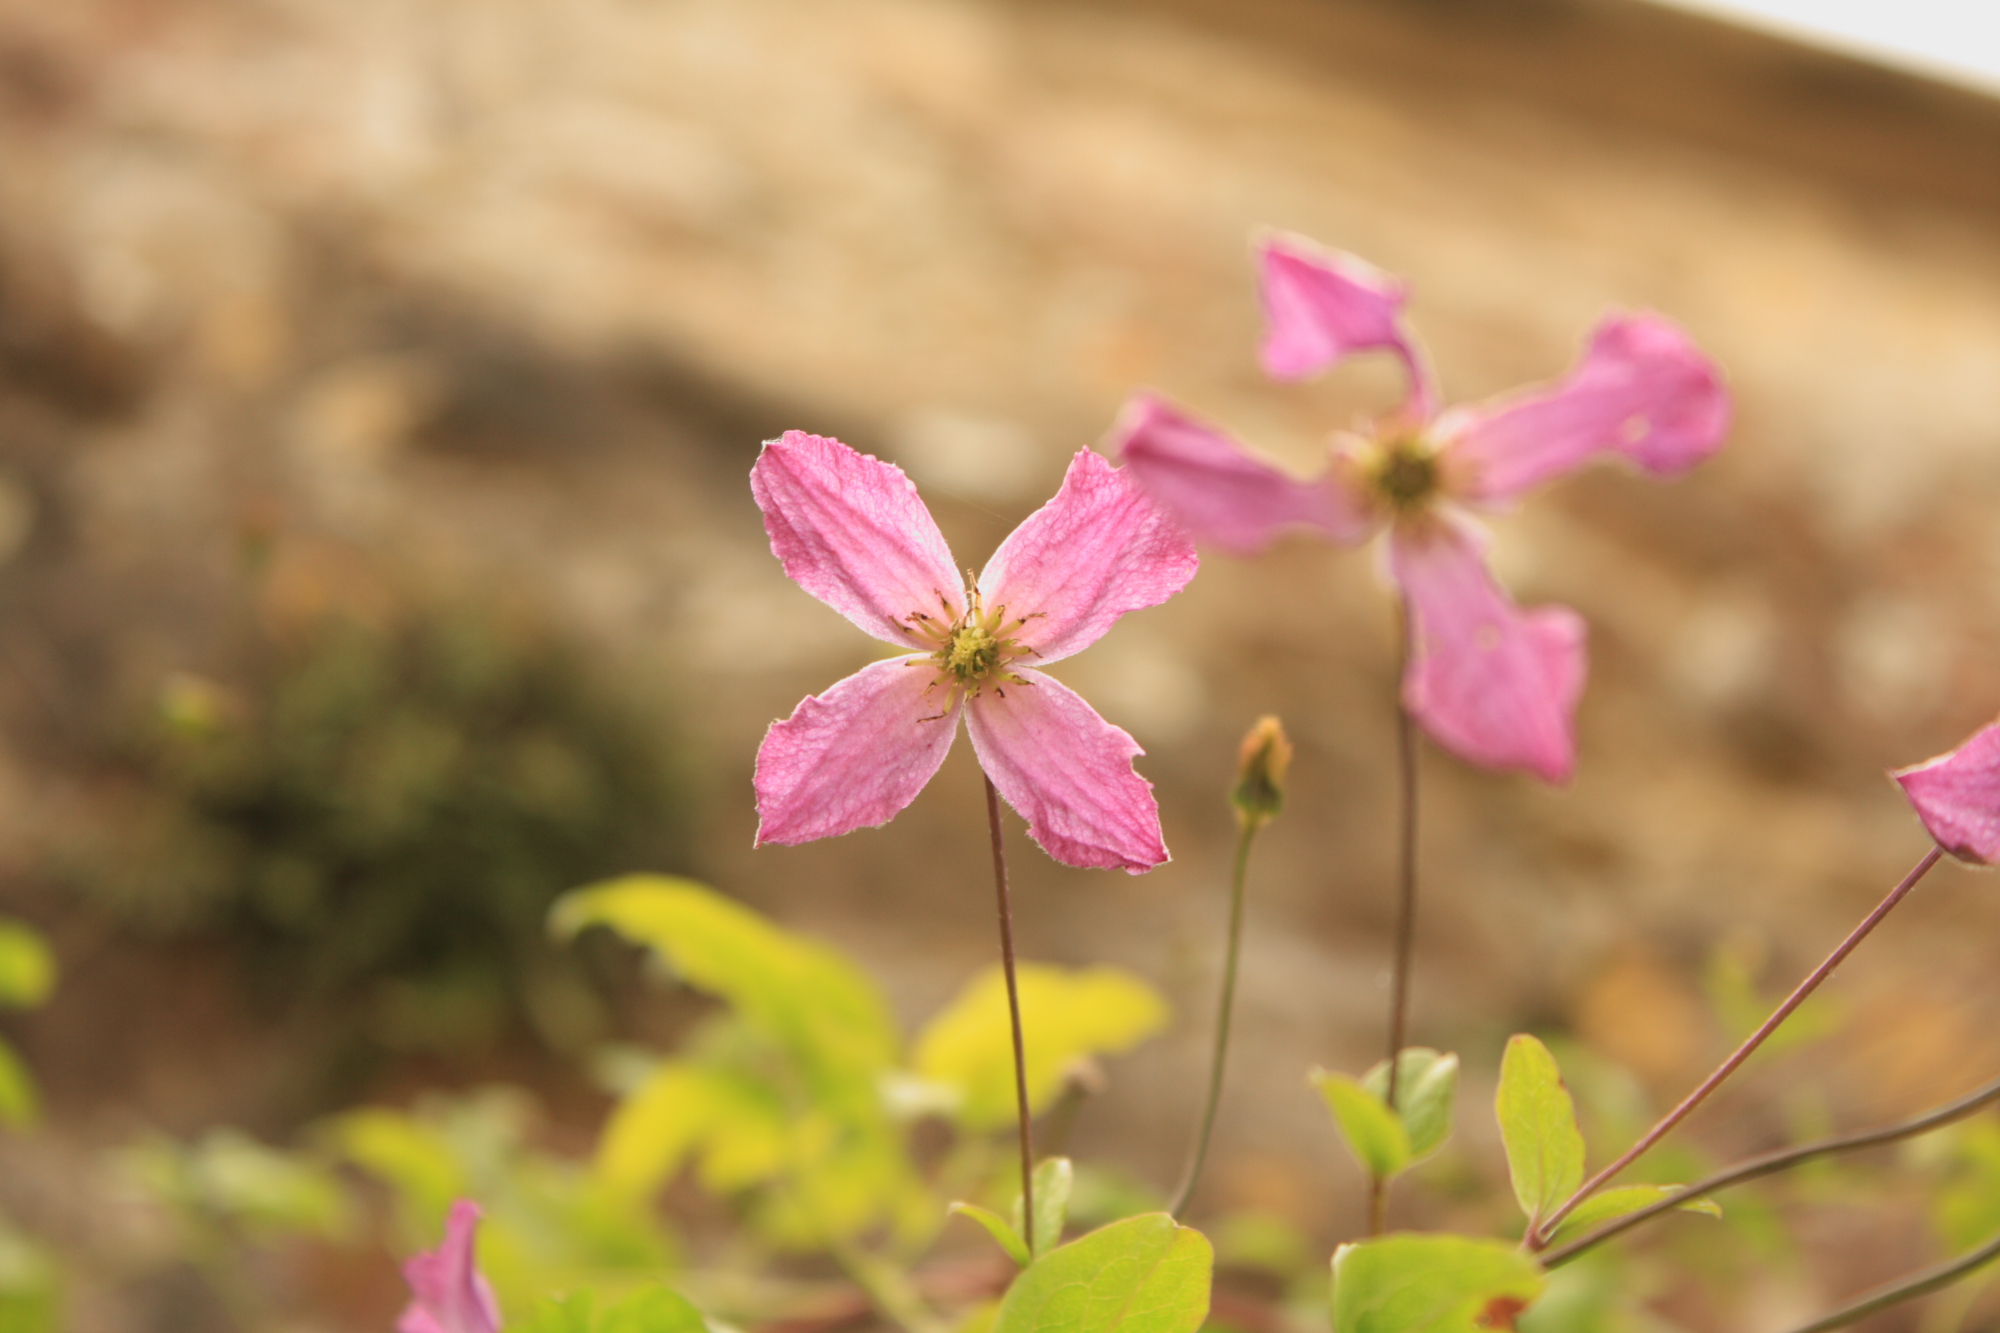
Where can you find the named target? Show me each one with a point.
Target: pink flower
(1957, 795)
(447, 1293)
(1491, 682)
(851, 531)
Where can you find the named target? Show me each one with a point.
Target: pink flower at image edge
(1493, 683)
(447, 1292)
(1957, 796)
(852, 531)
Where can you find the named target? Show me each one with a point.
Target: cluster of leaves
(383, 816)
(28, 1278)
(796, 1102)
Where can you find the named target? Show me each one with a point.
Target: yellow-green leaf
(1538, 1127)
(1372, 1132)
(1410, 1283)
(20, 1108)
(1145, 1274)
(27, 968)
(411, 1156)
(1004, 1232)
(1054, 1178)
(1608, 1204)
(1065, 1015)
(824, 1010)
(1426, 1085)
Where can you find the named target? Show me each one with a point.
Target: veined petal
(1957, 795)
(851, 530)
(1322, 305)
(855, 756)
(1490, 682)
(1101, 547)
(1067, 772)
(1223, 494)
(1642, 390)
(448, 1293)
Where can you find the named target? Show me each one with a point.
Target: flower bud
(1260, 773)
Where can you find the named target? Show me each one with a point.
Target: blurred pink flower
(851, 530)
(1491, 682)
(1957, 795)
(447, 1293)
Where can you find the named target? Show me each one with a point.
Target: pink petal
(1492, 683)
(1223, 494)
(851, 530)
(1642, 390)
(856, 755)
(1957, 795)
(1101, 547)
(448, 1294)
(1321, 305)
(1067, 772)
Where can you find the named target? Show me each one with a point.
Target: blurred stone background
(340, 313)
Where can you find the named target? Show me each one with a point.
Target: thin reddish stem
(1539, 1238)
(1406, 895)
(1014, 1015)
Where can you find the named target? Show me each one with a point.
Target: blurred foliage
(797, 1100)
(27, 975)
(550, 1225)
(385, 814)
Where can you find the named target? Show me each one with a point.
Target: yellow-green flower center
(1403, 473)
(972, 653)
(975, 648)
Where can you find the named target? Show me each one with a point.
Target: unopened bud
(1260, 773)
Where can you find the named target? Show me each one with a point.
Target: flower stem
(1406, 894)
(1014, 1015)
(1921, 1283)
(1539, 1238)
(1246, 834)
(1765, 1164)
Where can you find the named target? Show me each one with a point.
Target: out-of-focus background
(378, 384)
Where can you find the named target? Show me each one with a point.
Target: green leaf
(20, 1107)
(1065, 1016)
(1426, 1084)
(1371, 1130)
(412, 1157)
(997, 1227)
(1410, 1283)
(1538, 1128)
(27, 968)
(1146, 1274)
(1608, 1204)
(1053, 1180)
(679, 1108)
(654, 1310)
(809, 999)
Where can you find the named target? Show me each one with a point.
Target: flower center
(972, 653)
(975, 649)
(1403, 473)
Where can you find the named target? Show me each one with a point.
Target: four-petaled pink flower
(1491, 682)
(447, 1292)
(1957, 795)
(851, 531)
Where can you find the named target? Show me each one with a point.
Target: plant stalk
(1406, 894)
(1014, 1016)
(1219, 1058)
(1539, 1238)
(1780, 1159)
(1920, 1283)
